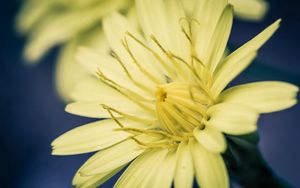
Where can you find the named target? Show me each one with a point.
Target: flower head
(162, 94)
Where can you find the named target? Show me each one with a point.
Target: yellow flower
(161, 94)
(48, 23)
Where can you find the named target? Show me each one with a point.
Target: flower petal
(209, 167)
(237, 61)
(163, 176)
(220, 38)
(90, 137)
(68, 71)
(148, 11)
(93, 181)
(184, 174)
(232, 119)
(111, 158)
(31, 13)
(211, 138)
(250, 9)
(265, 97)
(95, 109)
(207, 14)
(56, 30)
(138, 173)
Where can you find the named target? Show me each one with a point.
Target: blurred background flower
(32, 114)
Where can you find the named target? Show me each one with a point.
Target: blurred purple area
(32, 115)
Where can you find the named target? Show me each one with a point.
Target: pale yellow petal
(207, 14)
(148, 12)
(31, 13)
(68, 71)
(111, 158)
(95, 109)
(227, 72)
(163, 176)
(166, 31)
(90, 137)
(184, 174)
(93, 181)
(210, 169)
(264, 97)
(141, 168)
(55, 30)
(179, 44)
(219, 40)
(254, 10)
(211, 138)
(92, 89)
(237, 61)
(232, 119)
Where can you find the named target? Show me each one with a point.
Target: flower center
(180, 108)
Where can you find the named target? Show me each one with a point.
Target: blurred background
(32, 115)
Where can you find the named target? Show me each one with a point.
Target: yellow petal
(141, 168)
(220, 37)
(207, 14)
(167, 30)
(211, 138)
(95, 109)
(55, 30)
(68, 71)
(31, 13)
(264, 97)
(90, 137)
(111, 158)
(93, 181)
(179, 44)
(184, 174)
(250, 9)
(209, 167)
(148, 11)
(237, 61)
(92, 89)
(163, 176)
(232, 119)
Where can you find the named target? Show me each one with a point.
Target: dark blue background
(32, 115)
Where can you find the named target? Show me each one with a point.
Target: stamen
(131, 95)
(152, 133)
(142, 86)
(135, 61)
(179, 117)
(156, 55)
(164, 144)
(147, 122)
(166, 121)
